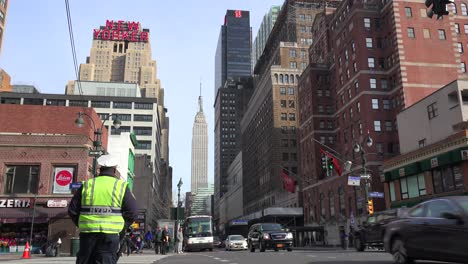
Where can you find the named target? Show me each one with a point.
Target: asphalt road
(271, 257)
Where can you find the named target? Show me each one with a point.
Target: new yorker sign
(120, 31)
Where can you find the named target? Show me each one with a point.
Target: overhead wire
(72, 44)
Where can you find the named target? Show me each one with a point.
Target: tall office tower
(199, 150)
(372, 60)
(121, 52)
(233, 58)
(3, 14)
(233, 62)
(269, 139)
(263, 33)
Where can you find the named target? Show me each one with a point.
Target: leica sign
(121, 31)
(62, 179)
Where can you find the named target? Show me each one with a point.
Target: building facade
(373, 58)
(231, 204)
(201, 201)
(121, 52)
(234, 48)
(199, 150)
(434, 161)
(5, 81)
(123, 147)
(269, 139)
(103, 89)
(263, 33)
(38, 161)
(233, 87)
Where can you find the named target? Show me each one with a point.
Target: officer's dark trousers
(98, 248)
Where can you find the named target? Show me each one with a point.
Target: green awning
(447, 158)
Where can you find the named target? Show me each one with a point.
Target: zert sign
(15, 203)
(62, 178)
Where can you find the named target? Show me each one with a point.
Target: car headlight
(289, 236)
(266, 236)
(189, 242)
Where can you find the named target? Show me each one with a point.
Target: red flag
(336, 163)
(288, 182)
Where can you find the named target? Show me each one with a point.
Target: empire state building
(199, 150)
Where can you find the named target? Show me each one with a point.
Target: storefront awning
(41, 212)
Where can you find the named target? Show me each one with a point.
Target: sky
(183, 35)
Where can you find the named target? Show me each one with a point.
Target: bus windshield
(198, 227)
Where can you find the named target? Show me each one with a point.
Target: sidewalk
(147, 256)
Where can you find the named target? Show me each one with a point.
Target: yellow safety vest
(101, 203)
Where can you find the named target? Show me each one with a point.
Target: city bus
(198, 233)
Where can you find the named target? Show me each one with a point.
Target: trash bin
(74, 246)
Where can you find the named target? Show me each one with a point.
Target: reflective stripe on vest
(101, 203)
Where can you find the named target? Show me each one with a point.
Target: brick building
(41, 152)
(369, 60)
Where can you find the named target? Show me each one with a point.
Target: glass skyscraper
(233, 54)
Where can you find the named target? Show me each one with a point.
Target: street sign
(75, 185)
(365, 176)
(376, 194)
(96, 153)
(354, 180)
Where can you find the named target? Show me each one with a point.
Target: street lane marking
(312, 256)
(332, 257)
(224, 260)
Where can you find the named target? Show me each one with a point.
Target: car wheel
(289, 249)
(358, 244)
(262, 246)
(399, 253)
(251, 247)
(210, 249)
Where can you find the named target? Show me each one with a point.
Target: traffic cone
(26, 253)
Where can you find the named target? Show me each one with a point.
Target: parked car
(371, 233)
(269, 236)
(433, 230)
(234, 242)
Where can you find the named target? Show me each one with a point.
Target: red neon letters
(121, 30)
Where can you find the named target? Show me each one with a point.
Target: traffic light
(439, 7)
(370, 206)
(330, 164)
(324, 162)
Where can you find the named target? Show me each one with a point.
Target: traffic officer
(101, 209)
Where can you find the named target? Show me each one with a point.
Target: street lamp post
(97, 141)
(360, 149)
(178, 207)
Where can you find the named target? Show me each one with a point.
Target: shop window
(21, 179)
(392, 190)
(447, 179)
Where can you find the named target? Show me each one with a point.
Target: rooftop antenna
(200, 102)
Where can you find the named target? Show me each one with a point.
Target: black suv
(371, 233)
(269, 236)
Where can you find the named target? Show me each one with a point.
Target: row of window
(289, 156)
(286, 78)
(449, 7)
(426, 33)
(288, 103)
(444, 179)
(79, 103)
(139, 131)
(292, 116)
(290, 90)
(126, 117)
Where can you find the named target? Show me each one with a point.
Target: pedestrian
(101, 208)
(164, 240)
(148, 239)
(179, 240)
(157, 241)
